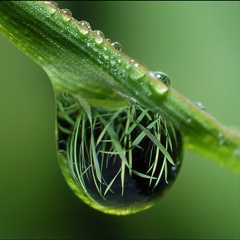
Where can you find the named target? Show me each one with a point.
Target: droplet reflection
(85, 24)
(163, 77)
(120, 161)
(117, 45)
(99, 33)
(67, 12)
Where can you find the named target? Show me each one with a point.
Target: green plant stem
(81, 63)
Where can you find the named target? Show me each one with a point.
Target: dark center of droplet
(136, 188)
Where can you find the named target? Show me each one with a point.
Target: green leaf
(80, 62)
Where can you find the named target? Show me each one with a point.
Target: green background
(198, 45)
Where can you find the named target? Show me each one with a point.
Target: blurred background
(198, 45)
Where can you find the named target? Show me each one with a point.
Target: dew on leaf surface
(162, 77)
(85, 24)
(99, 33)
(117, 46)
(67, 12)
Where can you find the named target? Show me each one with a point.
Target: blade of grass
(82, 63)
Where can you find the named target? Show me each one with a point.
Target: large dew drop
(118, 162)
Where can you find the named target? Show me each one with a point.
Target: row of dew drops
(159, 75)
(85, 24)
(111, 62)
(99, 33)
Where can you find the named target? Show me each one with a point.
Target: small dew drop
(67, 12)
(237, 153)
(99, 33)
(189, 120)
(85, 24)
(51, 3)
(52, 10)
(84, 31)
(200, 105)
(100, 58)
(221, 140)
(220, 135)
(163, 77)
(109, 40)
(112, 61)
(53, 6)
(120, 73)
(117, 46)
(106, 57)
(88, 43)
(99, 40)
(128, 66)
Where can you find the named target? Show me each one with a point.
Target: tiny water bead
(188, 120)
(85, 24)
(163, 77)
(117, 46)
(52, 6)
(67, 12)
(99, 33)
(99, 39)
(118, 162)
(200, 106)
(221, 139)
(52, 3)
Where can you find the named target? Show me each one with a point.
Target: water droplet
(220, 135)
(189, 120)
(128, 66)
(99, 33)
(109, 40)
(221, 139)
(82, 30)
(109, 158)
(113, 61)
(163, 77)
(99, 39)
(88, 44)
(106, 57)
(53, 6)
(237, 153)
(200, 105)
(85, 24)
(67, 12)
(117, 46)
(52, 3)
